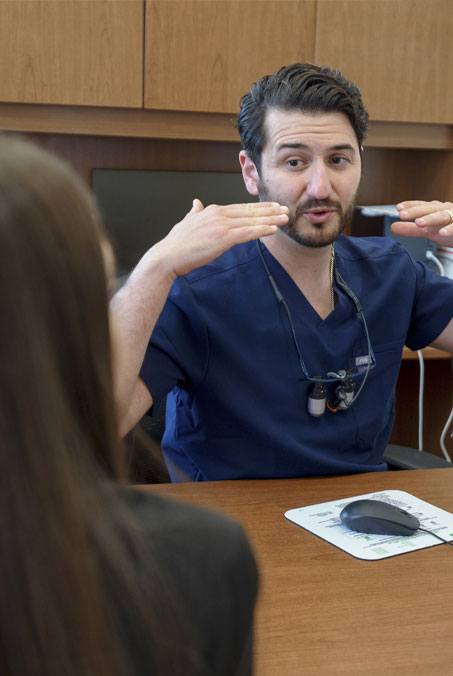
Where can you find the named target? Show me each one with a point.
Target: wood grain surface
(203, 55)
(75, 52)
(398, 52)
(323, 612)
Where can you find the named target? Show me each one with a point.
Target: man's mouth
(318, 215)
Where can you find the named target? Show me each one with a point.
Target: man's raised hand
(433, 220)
(207, 232)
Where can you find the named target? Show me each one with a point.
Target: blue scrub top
(237, 402)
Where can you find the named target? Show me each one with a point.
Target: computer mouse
(379, 518)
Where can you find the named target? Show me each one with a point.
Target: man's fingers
(250, 232)
(197, 205)
(417, 211)
(257, 221)
(446, 231)
(437, 219)
(252, 209)
(406, 229)
(429, 214)
(409, 204)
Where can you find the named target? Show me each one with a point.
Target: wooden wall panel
(390, 175)
(184, 125)
(80, 52)
(203, 55)
(85, 153)
(398, 51)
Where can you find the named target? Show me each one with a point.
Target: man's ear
(249, 173)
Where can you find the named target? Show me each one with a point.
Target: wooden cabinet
(398, 51)
(74, 52)
(202, 55)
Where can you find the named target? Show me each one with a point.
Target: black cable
(430, 532)
(359, 313)
(284, 304)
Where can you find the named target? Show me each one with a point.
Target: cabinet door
(77, 52)
(399, 52)
(203, 55)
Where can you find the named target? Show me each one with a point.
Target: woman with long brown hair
(96, 579)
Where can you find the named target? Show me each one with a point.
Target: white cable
(431, 257)
(444, 434)
(421, 392)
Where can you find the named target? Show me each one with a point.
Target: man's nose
(319, 186)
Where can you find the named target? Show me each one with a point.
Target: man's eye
(294, 163)
(339, 160)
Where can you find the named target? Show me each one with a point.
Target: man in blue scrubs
(280, 342)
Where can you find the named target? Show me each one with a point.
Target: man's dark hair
(301, 86)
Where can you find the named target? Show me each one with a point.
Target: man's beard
(318, 235)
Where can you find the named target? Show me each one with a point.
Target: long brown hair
(59, 513)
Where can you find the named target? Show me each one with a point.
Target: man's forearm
(445, 340)
(134, 311)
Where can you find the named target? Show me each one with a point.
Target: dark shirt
(237, 403)
(206, 578)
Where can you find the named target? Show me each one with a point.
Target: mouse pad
(324, 521)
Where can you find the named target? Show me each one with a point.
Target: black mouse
(379, 518)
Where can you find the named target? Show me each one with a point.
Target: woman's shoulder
(205, 563)
(161, 512)
(182, 525)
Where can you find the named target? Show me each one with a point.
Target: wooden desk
(428, 353)
(322, 611)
